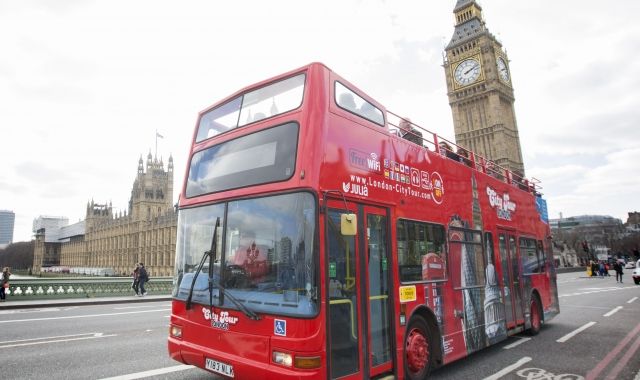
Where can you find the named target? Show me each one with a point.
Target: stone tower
(480, 90)
(152, 192)
(97, 214)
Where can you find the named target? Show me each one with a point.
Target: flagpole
(156, 144)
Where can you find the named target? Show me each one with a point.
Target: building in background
(7, 223)
(632, 226)
(49, 227)
(111, 243)
(480, 90)
(590, 237)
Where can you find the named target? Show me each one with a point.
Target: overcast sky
(84, 85)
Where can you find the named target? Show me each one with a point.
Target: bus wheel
(417, 355)
(536, 321)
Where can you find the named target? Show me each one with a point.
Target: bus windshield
(265, 102)
(268, 257)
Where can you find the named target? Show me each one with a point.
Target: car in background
(636, 274)
(630, 265)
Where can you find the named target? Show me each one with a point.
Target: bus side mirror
(348, 224)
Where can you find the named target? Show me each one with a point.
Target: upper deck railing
(403, 127)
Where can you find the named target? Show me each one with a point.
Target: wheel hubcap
(417, 350)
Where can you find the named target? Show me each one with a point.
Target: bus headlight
(282, 358)
(175, 331)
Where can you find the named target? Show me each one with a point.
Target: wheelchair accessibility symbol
(280, 327)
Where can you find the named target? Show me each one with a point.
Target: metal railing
(58, 288)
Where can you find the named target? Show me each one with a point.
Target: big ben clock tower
(480, 90)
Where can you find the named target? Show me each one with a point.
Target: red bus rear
(321, 236)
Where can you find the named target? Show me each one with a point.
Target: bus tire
(536, 315)
(418, 350)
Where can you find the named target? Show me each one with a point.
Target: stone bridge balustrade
(58, 288)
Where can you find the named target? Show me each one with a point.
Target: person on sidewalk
(134, 275)
(4, 285)
(601, 269)
(143, 277)
(619, 270)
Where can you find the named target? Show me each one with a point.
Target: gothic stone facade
(480, 90)
(145, 233)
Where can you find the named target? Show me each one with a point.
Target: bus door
(359, 320)
(510, 278)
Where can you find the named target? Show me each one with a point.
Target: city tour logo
(503, 205)
(219, 321)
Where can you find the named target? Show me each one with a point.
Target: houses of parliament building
(111, 243)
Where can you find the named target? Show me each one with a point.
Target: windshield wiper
(210, 253)
(248, 312)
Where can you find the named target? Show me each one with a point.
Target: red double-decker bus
(322, 236)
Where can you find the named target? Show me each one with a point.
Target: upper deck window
(265, 102)
(265, 156)
(352, 102)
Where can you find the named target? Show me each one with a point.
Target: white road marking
(140, 307)
(514, 344)
(586, 307)
(23, 311)
(575, 332)
(633, 299)
(53, 339)
(595, 291)
(82, 316)
(153, 372)
(508, 369)
(612, 312)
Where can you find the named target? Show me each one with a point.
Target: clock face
(467, 72)
(503, 72)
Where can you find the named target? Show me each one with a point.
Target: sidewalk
(18, 303)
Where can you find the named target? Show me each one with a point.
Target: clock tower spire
(480, 90)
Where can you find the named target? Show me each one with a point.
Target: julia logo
(355, 188)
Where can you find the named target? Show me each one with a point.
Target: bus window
(265, 102)
(529, 256)
(421, 251)
(542, 257)
(352, 102)
(262, 157)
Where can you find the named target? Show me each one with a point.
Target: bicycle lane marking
(591, 375)
(509, 369)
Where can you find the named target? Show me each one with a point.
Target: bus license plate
(218, 367)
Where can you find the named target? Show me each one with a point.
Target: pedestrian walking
(619, 271)
(134, 275)
(601, 269)
(4, 283)
(143, 277)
